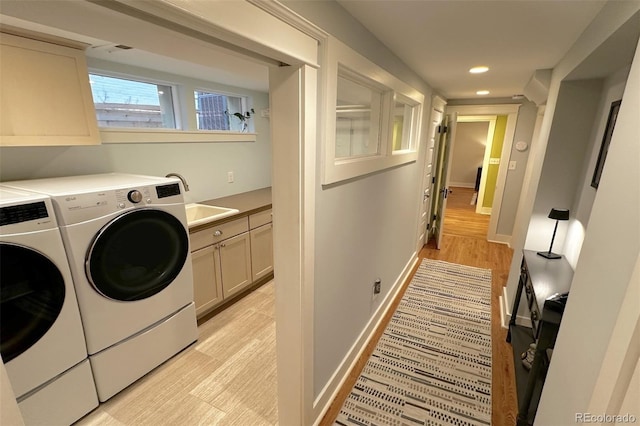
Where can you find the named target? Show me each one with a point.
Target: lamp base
(549, 255)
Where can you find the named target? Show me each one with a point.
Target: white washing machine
(127, 242)
(42, 340)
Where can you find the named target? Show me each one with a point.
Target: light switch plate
(512, 165)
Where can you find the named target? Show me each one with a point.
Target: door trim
(511, 111)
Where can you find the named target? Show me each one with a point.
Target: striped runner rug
(432, 365)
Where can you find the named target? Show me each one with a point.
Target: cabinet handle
(534, 315)
(223, 245)
(217, 233)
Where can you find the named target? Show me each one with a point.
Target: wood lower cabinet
(229, 257)
(262, 251)
(207, 289)
(235, 264)
(221, 261)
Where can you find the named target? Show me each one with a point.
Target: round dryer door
(32, 292)
(137, 255)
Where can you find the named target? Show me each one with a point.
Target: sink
(198, 214)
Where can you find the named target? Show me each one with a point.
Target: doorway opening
(481, 141)
(475, 159)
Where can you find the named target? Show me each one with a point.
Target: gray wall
(204, 165)
(366, 227)
(567, 150)
(513, 185)
(468, 152)
(612, 90)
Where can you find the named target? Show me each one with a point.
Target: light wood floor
(227, 378)
(464, 242)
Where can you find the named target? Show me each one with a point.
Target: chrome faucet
(184, 181)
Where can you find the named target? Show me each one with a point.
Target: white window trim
(338, 169)
(416, 119)
(119, 135)
(125, 135)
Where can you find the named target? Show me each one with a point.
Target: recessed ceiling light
(478, 70)
(482, 92)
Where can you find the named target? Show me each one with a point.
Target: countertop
(247, 203)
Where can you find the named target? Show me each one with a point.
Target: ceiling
(154, 47)
(442, 40)
(439, 40)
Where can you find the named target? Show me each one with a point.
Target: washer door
(32, 292)
(137, 255)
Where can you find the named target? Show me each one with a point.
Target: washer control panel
(80, 207)
(134, 196)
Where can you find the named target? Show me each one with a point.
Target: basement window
(128, 103)
(219, 111)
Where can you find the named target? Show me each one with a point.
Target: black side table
(540, 278)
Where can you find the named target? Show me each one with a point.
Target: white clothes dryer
(127, 242)
(42, 340)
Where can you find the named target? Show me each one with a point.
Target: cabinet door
(45, 94)
(235, 264)
(207, 288)
(262, 251)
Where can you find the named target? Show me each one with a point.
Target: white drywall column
(603, 273)
(293, 96)
(616, 380)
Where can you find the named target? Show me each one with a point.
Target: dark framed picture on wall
(606, 140)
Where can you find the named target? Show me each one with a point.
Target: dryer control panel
(78, 208)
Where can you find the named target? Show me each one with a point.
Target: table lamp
(558, 215)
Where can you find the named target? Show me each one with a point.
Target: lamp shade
(559, 214)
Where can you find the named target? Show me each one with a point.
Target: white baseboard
(337, 380)
(505, 313)
(462, 184)
(501, 239)
(483, 210)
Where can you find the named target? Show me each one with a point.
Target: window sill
(114, 136)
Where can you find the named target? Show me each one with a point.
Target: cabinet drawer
(218, 233)
(200, 239)
(259, 219)
(229, 229)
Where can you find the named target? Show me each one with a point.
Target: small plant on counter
(244, 118)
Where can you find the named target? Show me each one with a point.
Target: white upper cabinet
(45, 94)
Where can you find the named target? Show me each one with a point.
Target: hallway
(474, 251)
(464, 242)
(460, 216)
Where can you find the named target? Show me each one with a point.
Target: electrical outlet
(230, 177)
(376, 286)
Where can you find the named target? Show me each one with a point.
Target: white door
(447, 137)
(428, 181)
